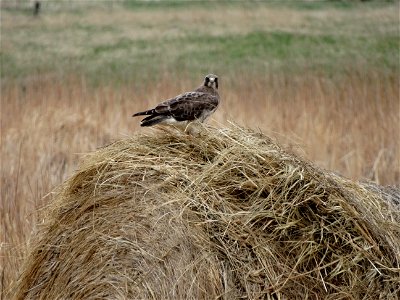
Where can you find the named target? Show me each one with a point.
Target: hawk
(186, 107)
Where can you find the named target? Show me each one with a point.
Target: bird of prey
(186, 107)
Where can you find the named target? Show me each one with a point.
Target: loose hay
(226, 214)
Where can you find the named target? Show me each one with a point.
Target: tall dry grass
(348, 124)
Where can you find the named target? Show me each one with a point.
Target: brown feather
(189, 106)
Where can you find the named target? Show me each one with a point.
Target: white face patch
(211, 81)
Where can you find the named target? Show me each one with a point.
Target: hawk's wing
(188, 106)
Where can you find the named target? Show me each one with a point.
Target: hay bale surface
(226, 214)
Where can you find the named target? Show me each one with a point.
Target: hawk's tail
(152, 120)
(144, 113)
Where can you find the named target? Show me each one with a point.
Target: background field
(320, 77)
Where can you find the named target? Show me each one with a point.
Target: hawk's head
(211, 80)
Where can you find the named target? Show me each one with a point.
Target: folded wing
(185, 107)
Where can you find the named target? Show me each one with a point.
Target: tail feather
(152, 120)
(144, 113)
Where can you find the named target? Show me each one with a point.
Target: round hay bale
(224, 214)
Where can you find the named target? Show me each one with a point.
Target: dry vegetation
(224, 214)
(346, 120)
(52, 122)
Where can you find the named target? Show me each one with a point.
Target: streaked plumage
(187, 107)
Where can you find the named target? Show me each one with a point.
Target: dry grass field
(323, 80)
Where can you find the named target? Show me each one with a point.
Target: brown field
(349, 123)
(46, 128)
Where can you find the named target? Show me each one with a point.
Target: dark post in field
(36, 8)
